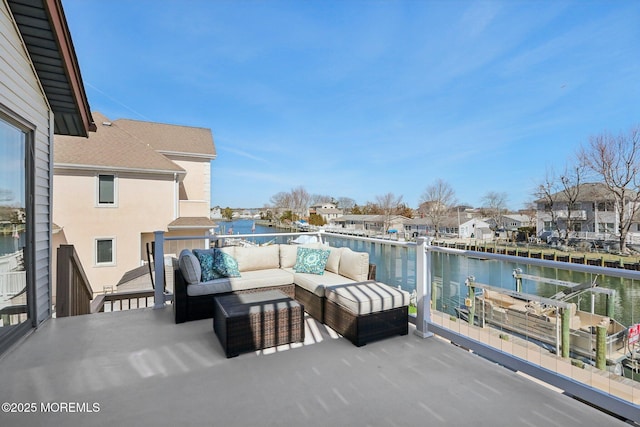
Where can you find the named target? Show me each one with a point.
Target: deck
(141, 369)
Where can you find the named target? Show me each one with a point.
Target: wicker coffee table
(257, 320)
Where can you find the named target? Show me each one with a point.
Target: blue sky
(361, 98)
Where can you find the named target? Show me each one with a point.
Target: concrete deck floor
(139, 368)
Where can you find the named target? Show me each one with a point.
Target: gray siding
(22, 96)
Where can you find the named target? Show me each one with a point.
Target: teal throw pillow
(224, 264)
(206, 265)
(311, 260)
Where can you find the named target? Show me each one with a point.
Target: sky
(363, 98)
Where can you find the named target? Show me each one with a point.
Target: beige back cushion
(258, 258)
(333, 263)
(354, 265)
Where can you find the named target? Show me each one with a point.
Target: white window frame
(115, 191)
(113, 252)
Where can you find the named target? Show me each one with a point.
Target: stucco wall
(144, 204)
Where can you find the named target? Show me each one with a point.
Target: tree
(319, 199)
(436, 202)
(346, 203)
(356, 210)
(315, 219)
(547, 192)
(494, 207)
(389, 204)
(616, 160)
(404, 210)
(300, 200)
(227, 213)
(570, 183)
(564, 188)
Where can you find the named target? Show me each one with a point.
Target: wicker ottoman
(258, 320)
(366, 311)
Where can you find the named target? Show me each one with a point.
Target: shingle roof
(110, 147)
(172, 139)
(191, 222)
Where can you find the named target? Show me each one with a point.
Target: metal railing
(412, 266)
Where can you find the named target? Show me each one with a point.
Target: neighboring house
(41, 93)
(477, 229)
(423, 226)
(374, 223)
(593, 212)
(129, 179)
(514, 221)
(327, 211)
(215, 213)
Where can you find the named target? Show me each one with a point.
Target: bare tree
(495, 206)
(436, 202)
(547, 192)
(616, 159)
(319, 199)
(346, 203)
(301, 200)
(570, 181)
(389, 204)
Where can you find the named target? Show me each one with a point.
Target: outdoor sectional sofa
(266, 268)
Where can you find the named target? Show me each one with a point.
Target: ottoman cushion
(367, 297)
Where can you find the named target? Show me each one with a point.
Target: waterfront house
(373, 224)
(41, 93)
(129, 179)
(476, 228)
(327, 211)
(593, 214)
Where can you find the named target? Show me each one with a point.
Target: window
(106, 190)
(16, 224)
(105, 250)
(608, 206)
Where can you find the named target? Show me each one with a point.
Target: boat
(540, 319)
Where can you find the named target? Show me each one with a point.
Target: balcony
(138, 367)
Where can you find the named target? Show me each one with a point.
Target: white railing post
(158, 259)
(423, 287)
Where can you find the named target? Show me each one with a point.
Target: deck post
(158, 259)
(423, 287)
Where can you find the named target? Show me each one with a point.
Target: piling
(601, 347)
(566, 335)
(472, 303)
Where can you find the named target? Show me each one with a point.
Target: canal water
(396, 266)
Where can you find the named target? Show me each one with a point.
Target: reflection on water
(396, 266)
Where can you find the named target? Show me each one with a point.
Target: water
(396, 266)
(245, 226)
(9, 244)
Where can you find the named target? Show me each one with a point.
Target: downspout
(175, 196)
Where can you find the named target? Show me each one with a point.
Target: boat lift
(572, 289)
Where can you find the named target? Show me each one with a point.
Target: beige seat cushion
(367, 297)
(248, 280)
(315, 283)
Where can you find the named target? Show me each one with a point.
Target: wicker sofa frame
(361, 329)
(187, 308)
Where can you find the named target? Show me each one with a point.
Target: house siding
(21, 97)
